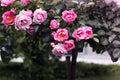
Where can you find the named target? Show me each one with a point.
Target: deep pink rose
(39, 16)
(79, 34)
(54, 24)
(88, 32)
(59, 50)
(30, 30)
(69, 16)
(8, 17)
(61, 35)
(69, 45)
(22, 22)
(6, 2)
(25, 2)
(27, 13)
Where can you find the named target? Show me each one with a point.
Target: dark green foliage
(58, 72)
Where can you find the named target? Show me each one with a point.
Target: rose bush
(28, 27)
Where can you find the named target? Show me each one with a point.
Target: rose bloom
(54, 24)
(22, 22)
(88, 32)
(69, 45)
(25, 2)
(69, 16)
(27, 12)
(6, 2)
(39, 16)
(79, 34)
(61, 35)
(59, 50)
(8, 17)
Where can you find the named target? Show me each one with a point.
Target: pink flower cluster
(10, 2)
(62, 49)
(23, 20)
(82, 33)
(7, 2)
(62, 36)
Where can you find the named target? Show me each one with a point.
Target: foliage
(84, 70)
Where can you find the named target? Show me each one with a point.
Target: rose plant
(35, 29)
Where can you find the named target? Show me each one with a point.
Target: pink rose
(69, 16)
(27, 12)
(6, 2)
(59, 50)
(25, 2)
(22, 22)
(30, 30)
(88, 32)
(79, 34)
(61, 35)
(8, 17)
(54, 24)
(39, 16)
(69, 45)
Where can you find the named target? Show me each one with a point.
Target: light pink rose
(88, 32)
(22, 22)
(27, 12)
(25, 2)
(54, 24)
(79, 34)
(39, 16)
(30, 30)
(8, 17)
(69, 16)
(69, 45)
(61, 35)
(6, 2)
(59, 50)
